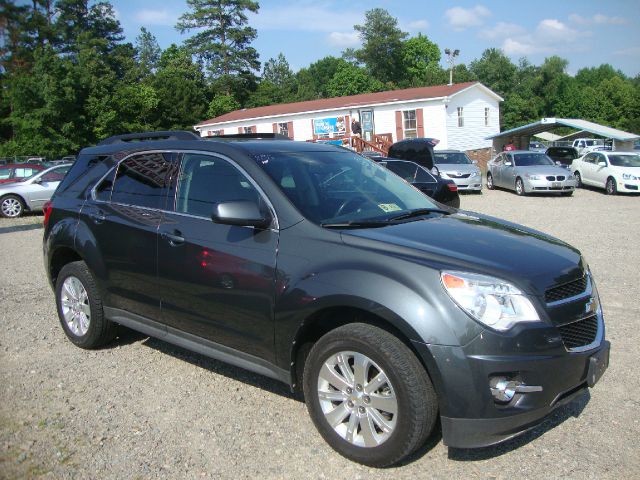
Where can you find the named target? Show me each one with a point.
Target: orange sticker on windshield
(389, 207)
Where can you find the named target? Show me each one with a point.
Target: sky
(587, 33)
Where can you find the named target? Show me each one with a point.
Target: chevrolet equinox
(319, 268)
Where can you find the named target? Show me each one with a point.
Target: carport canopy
(520, 136)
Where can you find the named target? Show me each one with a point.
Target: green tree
(278, 72)
(352, 80)
(495, 70)
(223, 38)
(222, 104)
(418, 53)
(382, 42)
(147, 52)
(312, 82)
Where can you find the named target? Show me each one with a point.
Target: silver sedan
(30, 194)
(529, 172)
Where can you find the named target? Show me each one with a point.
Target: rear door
(123, 218)
(216, 281)
(600, 173)
(588, 168)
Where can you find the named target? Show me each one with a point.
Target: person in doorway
(509, 147)
(356, 129)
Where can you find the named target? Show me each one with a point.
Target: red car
(18, 171)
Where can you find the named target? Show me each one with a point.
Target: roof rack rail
(248, 136)
(161, 135)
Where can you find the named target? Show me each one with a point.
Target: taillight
(452, 186)
(47, 209)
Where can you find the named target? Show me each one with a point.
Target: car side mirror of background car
(508, 164)
(558, 162)
(602, 164)
(244, 213)
(475, 162)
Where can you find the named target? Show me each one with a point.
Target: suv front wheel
(368, 395)
(80, 307)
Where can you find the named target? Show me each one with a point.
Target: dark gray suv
(321, 269)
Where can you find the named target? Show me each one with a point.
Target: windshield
(624, 160)
(456, 158)
(338, 186)
(532, 159)
(591, 143)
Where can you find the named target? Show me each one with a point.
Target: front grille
(551, 178)
(566, 290)
(580, 333)
(459, 175)
(560, 178)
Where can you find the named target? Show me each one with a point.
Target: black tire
(490, 185)
(567, 194)
(611, 187)
(100, 330)
(11, 206)
(417, 406)
(520, 187)
(578, 178)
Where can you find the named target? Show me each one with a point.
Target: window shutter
(290, 128)
(275, 128)
(420, 122)
(240, 130)
(399, 130)
(254, 129)
(347, 130)
(313, 131)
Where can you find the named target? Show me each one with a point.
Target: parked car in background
(564, 155)
(30, 194)
(528, 172)
(372, 154)
(455, 165)
(537, 147)
(613, 171)
(391, 313)
(17, 171)
(585, 145)
(418, 150)
(441, 189)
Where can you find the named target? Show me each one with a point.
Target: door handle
(175, 239)
(98, 217)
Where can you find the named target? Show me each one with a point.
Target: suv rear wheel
(368, 395)
(80, 307)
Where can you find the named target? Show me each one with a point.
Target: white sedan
(613, 171)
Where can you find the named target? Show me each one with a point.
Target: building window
(410, 124)
(460, 117)
(283, 129)
(215, 133)
(248, 130)
(486, 117)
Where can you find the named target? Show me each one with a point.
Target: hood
(542, 170)
(454, 167)
(476, 243)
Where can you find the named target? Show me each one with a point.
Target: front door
(46, 185)
(366, 122)
(217, 281)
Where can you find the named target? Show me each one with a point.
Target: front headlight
(532, 177)
(491, 301)
(476, 174)
(628, 176)
(443, 175)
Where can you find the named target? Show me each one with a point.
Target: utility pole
(451, 55)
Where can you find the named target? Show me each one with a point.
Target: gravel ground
(145, 409)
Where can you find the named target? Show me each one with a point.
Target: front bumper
(546, 186)
(471, 417)
(628, 186)
(469, 183)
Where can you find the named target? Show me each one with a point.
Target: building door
(366, 122)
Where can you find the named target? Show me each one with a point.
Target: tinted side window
(103, 191)
(55, 175)
(206, 180)
(141, 180)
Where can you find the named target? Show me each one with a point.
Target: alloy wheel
(357, 399)
(11, 207)
(75, 306)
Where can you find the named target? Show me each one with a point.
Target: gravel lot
(145, 409)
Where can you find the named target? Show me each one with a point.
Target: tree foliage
(68, 79)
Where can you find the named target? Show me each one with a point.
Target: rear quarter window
(142, 180)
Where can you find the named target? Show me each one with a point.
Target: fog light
(504, 389)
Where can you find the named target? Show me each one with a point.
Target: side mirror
(507, 164)
(558, 162)
(475, 162)
(602, 164)
(435, 171)
(37, 180)
(242, 213)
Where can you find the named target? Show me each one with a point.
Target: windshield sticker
(389, 207)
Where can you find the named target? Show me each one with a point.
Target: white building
(461, 116)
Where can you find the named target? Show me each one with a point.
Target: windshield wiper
(356, 224)
(419, 212)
